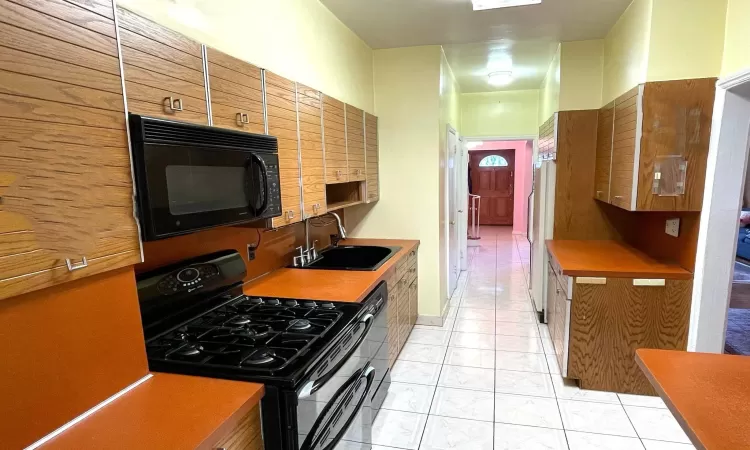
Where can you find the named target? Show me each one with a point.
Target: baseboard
(519, 233)
(435, 321)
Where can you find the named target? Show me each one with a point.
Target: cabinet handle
(618, 196)
(289, 215)
(175, 104)
(243, 118)
(338, 174)
(316, 207)
(599, 193)
(649, 282)
(76, 266)
(591, 280)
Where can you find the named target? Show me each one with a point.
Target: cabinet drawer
(401, 267)
(412, 258)
(411, 274)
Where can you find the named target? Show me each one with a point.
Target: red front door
(492, 178)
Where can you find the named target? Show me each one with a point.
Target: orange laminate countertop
(610, 259)
(165, 412)
(708, 393)
(333, 285)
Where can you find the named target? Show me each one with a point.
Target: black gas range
(324, 364)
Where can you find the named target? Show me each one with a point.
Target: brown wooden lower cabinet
(597, 324)
(245, 436)
(402, 304)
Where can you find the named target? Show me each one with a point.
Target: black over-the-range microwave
(191, 177)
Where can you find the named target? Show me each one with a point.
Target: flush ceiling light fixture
(500, 78)
(480, 5)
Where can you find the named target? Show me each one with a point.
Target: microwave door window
(201, 189)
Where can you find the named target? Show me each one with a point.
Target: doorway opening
(720, 313)
(500, 172)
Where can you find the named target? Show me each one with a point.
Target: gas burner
(252, 331)
(189, 350)
(259, 357)
(299, 324)
(239, 320)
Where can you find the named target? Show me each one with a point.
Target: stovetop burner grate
(258, 334)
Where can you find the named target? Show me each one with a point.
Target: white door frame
(451, 212)
(719, 224)
(463, 204)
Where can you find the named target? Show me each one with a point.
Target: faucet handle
(313, 252)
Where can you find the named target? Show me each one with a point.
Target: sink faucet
(342, 231)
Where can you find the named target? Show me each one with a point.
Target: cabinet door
(355, 143)
(334, 138)
(66, 189)
(281, 101)
(413, 302)
(163, 71)
(372, 158)
(236, 93)
(404, 327)
(313, 158)
(624, 149)
(604, 152)
(393, 328)
(676, 130)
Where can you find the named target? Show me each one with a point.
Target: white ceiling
(478, 41)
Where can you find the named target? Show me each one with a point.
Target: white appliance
(542, 227)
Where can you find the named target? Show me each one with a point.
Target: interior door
(453, 256)
(492, 173)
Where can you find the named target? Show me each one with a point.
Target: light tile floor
(488, 379)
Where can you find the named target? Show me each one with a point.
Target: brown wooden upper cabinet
(658, 146)
(334, 129)
(311, 148)
(355, 143)
(236, 93)
(372, 158)
(164, 74)
(66, 192)
(281, 109)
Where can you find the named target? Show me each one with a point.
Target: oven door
(187, 188)
(323, 425)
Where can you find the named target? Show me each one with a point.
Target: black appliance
(190, 177)
(324, 364)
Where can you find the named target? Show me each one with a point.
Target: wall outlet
(251, 252)
(673, 227)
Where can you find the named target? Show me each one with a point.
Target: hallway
(488, 379)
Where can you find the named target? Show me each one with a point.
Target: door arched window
(493, 161)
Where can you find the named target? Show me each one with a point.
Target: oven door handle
(324, 420)
(313, 386)
(369, 373)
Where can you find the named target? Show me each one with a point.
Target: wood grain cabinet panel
(334, 132)
(246, 435)
(163, 71)
(660, 138)
(282, 119)
(313, 157)
(65, 182)
(610, 321)
(236, 93)
(355, 143)
(604, 136)
(403, 303)
(372, 158)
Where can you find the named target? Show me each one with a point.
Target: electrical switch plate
(673, 227)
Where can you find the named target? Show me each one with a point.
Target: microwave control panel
(274, 185)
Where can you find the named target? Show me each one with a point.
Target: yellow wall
(581, 66)
(297, 39)
(549, 92)
(687, 39)
(737, 38)
(626, 51)
(500, 114)
(407, 102)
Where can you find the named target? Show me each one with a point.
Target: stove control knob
(328, 305)
(309, 304)
(256, 301)
(292, 303)
(274, 302)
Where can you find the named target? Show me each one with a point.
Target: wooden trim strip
(591, 280)
(655, 282)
